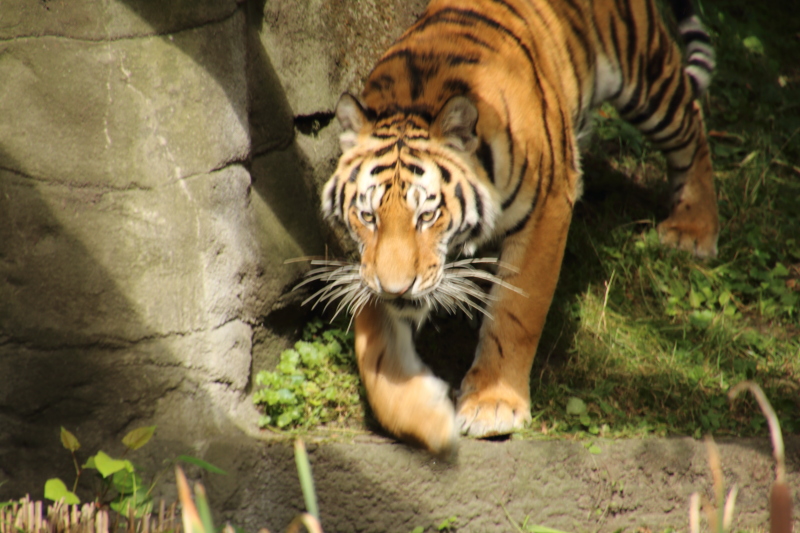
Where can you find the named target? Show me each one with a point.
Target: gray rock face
(143, 232)
(152, 185)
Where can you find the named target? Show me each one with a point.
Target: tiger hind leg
(406, 398)
(658, 96)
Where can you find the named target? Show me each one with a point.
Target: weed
(120, 485)
(314, 383)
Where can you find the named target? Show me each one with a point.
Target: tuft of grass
(315, 383)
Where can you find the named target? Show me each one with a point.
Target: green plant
(314, 383)
(120, 483)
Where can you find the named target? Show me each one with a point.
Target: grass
(649, 339)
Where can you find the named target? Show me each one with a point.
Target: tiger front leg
(407, 399)
(494, 398)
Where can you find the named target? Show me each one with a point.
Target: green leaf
(107, 466)
(126, 482)
(594, 449)
(69, 440)
(542, 529)
(753, 44)
(701, 319)
(140, 503)
(306, 479)
(90, 463)
(203, 509)
(418, 529)
(208, 467)
(576, 406)
(54, 489)
(138, 437)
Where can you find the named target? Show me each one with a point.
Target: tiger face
(410, 192)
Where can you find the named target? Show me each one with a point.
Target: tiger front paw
(418, 410)
(495, 410)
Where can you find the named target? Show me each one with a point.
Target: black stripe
(654, 102)
(695, 35)
(508, 201)
(476, 40)
(478, 201)
(466, 15)
(459, 194)
(354, 173)
(457, 59)
(445, 173)
(381, 168)
(421, 111)
(678, 132)
(509, 138)
(681, 145)
(484, 154)
(656, 62)
(675, 101)
(494, 339)
(341, 202)
(510, 8)
(615, 43)
(633, 102)
(650, 25)
(385, 150)
(518, 322)
(698, 62)
(331, 198)
(455, 86)
(379, 362)
(414, 169)
(691, 161)
(631, 27)
(524, 220)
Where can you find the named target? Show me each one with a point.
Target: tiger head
(410, 190)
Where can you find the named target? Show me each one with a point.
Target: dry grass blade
(772, 421)
(191, 518)
(311, 524)
(780, 501)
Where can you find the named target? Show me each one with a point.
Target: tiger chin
(466, 133)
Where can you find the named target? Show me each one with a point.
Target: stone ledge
(373, 484)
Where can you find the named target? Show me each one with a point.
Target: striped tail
(700, 57)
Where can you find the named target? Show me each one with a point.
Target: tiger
(466, 133)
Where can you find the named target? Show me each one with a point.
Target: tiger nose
(394, 288)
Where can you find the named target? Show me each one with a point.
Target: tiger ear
(455, 123)
(352, 118)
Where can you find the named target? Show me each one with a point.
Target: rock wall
(159, 161)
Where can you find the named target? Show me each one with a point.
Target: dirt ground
(368, 483)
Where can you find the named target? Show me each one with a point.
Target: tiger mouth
(405, 304)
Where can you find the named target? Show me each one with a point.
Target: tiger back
(465, 133)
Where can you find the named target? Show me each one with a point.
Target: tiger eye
(367, 217)
(427, 216)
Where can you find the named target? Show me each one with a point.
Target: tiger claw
(488, 415)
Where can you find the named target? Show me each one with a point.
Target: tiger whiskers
(455, 291)
(342, 282)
